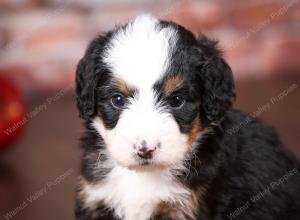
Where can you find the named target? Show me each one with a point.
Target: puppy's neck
(136, 195)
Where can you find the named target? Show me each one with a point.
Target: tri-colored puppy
(157, 104)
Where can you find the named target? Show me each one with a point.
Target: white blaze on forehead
(140, 53)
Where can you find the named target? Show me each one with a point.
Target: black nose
(144, 151)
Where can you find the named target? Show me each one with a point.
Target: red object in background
(12, 113)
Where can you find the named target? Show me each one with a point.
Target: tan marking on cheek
(197, 199)
(162, 208)
(171, 210)
(122, 87)
(171, 84)
(181, 210)
(196, 128)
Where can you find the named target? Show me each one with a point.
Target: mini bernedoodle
(159, 141)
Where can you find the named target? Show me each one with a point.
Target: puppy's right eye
(176, 101)
(118, 101)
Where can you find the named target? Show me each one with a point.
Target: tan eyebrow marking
(122, 86)
(171, 84)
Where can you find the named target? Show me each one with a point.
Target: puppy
(159, 141)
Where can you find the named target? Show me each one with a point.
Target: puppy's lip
(146, 162)
(147, 165)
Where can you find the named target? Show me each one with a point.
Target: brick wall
(42, 40)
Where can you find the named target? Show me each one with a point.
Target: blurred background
(41, 42)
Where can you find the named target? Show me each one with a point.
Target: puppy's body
(160, 142)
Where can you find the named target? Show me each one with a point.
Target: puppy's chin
(144, 166)
(147, 167)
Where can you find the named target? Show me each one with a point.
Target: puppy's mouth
(147, 165)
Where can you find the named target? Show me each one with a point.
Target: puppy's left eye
(176, 101)
(118, 101)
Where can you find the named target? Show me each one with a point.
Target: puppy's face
(145, 94)
(147, 123)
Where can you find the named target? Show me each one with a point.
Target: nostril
(143, 149)
(145, 153)
(144, 144)
(158, 145)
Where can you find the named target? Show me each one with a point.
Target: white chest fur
(135, 195)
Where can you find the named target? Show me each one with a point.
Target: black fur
(234, 167)
(90, 71)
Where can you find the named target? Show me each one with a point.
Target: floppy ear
(90, 70)
(217, 85)
(85, 87)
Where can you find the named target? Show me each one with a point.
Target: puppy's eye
(118, 101)
(176, 101)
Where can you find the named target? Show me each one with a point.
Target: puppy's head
(151, 88)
